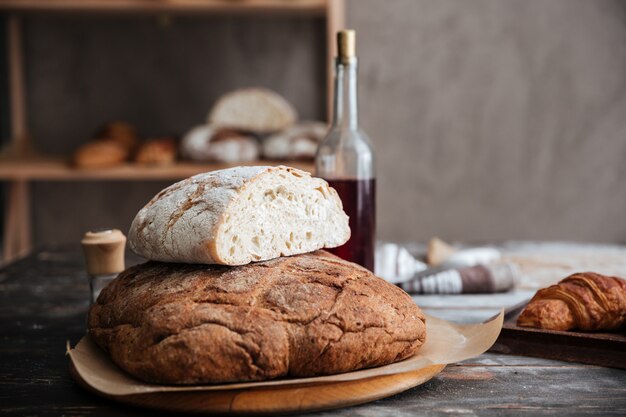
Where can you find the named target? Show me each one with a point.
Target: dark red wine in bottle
(359, 203)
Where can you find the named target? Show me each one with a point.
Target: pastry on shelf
(584, 301)
(103, 153)
(257, 110)
(159, 151)
(112, 145)
(298, 142)
(120, 132)
(213, 144)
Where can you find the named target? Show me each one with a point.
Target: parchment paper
(446, 343)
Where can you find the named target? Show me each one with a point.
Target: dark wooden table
(43, 303)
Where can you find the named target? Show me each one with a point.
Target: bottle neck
(345, 112)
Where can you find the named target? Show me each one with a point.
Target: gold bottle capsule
(346, 45)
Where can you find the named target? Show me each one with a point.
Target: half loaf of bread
(240, 215)
(257, 110)
(299, 316)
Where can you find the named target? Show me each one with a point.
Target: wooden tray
(281, 399)
(604, 349)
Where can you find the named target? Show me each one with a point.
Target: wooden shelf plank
(218, 6)
(57, 169)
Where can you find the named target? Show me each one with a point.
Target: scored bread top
(239, 215)
(297, 316)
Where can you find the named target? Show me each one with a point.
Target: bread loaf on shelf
(112, 145)
(299, 316)
(121, 132)
(257, 110)
(211, 144)
(298, 142)
(240, 215)
(160, 151)
(102, 153)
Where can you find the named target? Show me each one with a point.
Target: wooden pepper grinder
(104, 255)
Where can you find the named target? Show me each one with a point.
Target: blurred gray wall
(496, 119)
(492, 119)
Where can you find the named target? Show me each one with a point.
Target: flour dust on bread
(240, 215)
(299, 316)
(257, 110)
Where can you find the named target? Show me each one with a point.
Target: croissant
(584, 301)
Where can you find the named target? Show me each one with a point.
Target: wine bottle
(345, 158)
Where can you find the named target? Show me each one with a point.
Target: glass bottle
(345, 158)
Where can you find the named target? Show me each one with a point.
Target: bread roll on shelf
(208, 143)
(121, 132)
(102, 153)
(298, 142)
(160, 151)
(257, 110)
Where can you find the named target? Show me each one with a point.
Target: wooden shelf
(18, 172)
(57, 169)
(217, 6)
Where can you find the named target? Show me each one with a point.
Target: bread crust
(298, 316)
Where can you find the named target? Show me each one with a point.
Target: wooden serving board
(604, 349)
(282, 399)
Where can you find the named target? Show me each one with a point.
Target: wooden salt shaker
(104, 255)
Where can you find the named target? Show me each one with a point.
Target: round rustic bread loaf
(298, 316)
